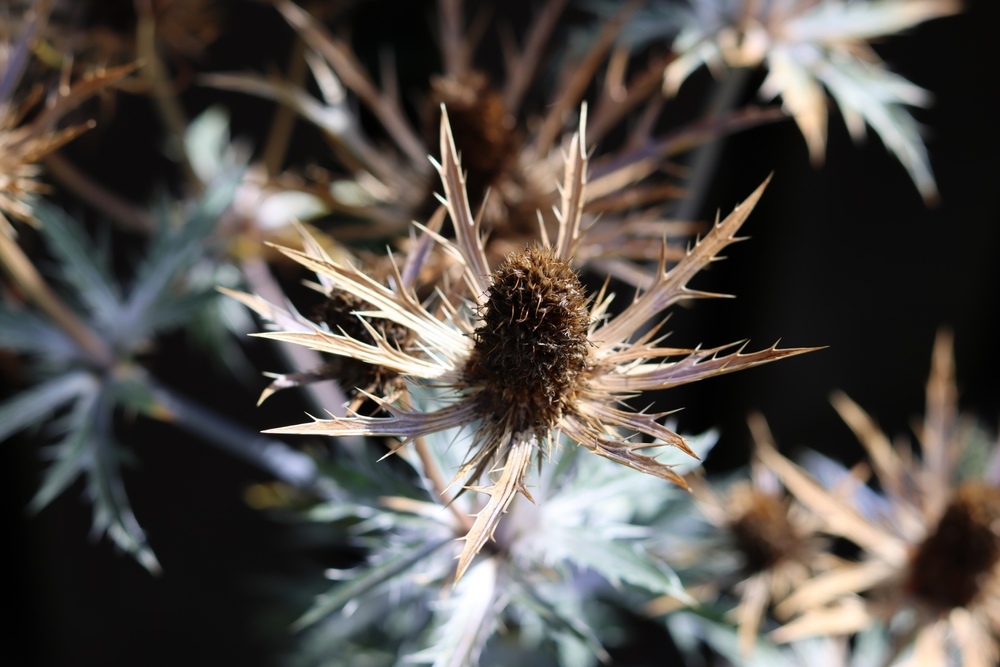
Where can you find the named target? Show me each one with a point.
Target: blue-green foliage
(75, 397)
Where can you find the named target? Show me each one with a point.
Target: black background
(845, 256)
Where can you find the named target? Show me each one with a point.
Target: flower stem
(166, 102)
(124, 213)
(24, 274)
(433, 475)
(706, 160)
(280, 134)
(268, 454)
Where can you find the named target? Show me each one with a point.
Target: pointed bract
(527, 360)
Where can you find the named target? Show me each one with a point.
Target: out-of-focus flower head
(775, 536)
(29, 118)
(761, 546)
(930, 539)
(808, 46)
(512, 154)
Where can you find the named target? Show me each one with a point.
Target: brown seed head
(763, 532)
(531, 348)
(479, 124)
(949, 569)
(338, 311)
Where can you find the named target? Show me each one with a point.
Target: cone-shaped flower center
(338, 311)
(951, 566)
(476, 112)
(763, 532)
(531, 347)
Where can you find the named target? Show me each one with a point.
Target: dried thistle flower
(809, 45)
(21, 148)
(931, 540)
(763, 545)
(532, 357)
(28, 127)
(509, 151)
(358, 379)
(776, 537)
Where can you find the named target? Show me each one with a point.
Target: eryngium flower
(531, 357)
(930, 538)
(776, 539)
(808, 46)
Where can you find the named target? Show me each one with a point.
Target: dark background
(845, 256)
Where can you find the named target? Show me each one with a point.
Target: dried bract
(808, 46)
(931, 539)
(531, 357)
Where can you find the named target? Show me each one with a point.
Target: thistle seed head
(949, 569)
(531, 348)
(477, 115)
(531, 366)
(763, 532)
(339, 312)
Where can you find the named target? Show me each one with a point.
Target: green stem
(706, 160)
(433, 475)
(20, 269)
(269, 454)
(166, 102)
(127, 215)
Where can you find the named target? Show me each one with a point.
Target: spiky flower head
(29, 115)
(763, 546)
(529, 357)
(511, 147)
(930, 539)
(808, 46)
